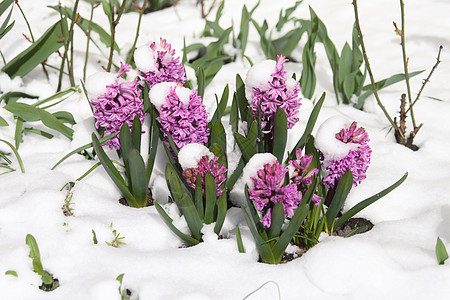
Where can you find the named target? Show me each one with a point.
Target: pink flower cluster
(186, 123)
(277, 94)
(167, 68)
(206, 165)
(301, 177)
(118, 105)
(268, 190)
(357, 161)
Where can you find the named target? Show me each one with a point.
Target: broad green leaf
(277, 220)
(28, 59)
(211, 198)
(38, 132)
(222, 105)
(343, 188)
(52, 122)
(24, 111)
(5, 28)
(4, 5)
(113, 173)
(240, 96)
(221, 212)
(18, 132)
(189, 240)
(263, 248)
(279, 134)
(154, 138)
(12, 97)
(441, 252)
(218, 136)
(34, 254)
(193, 220)
(198, 196)
(288, 42)
(234, 115)
(240, 244)
(283, 19)
(236, 174)
(363, 204)
(174, 183)
(138, 180)
(3, 122)
(136, 134)
(106, 8)
(212, 49)
(244, 28)
(247, 144)
(345, 63)
(309, 126)
(65, 116)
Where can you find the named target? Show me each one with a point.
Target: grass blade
(280, 134)
(14, 150)
(343, 188)
(441, 252)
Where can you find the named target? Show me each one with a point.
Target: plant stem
(88, 40)
(141, 11)
(405, 64)
(113, 25)
(70, 63)
(66, 49)
(428, 78)
(369, 70)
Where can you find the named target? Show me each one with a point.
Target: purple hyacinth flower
(118, 105)
(356, 160)
(206, 165)
(301, 177)
(268, 190)
(267, 88)
(157, 63)
(181, 113)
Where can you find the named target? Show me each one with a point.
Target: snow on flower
(344, 150)
(301, 176)
(181, 113)
(156, 63)
(267, 88)
(197, 159)
(114, 102)
(267, 189)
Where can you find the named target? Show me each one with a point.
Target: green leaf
(282, 20)
(221, 212)
(154, 138)
(218, 136)
(309, 126)
(240, 96)
(211, 198)
(14, 150)
(289, 42)
(106, 8)
(4, 5)
(39, 51)
(234, 115)
(18, 132)
(280, 134)
(382, 84)
(12, 273)
(263, 248)
(277, 221)
(84, 147)
(113, 172)
(3, 122)
(236, 174)
(343, 188)
(12, 97)
(244, 28)
(138, 180)
(198, 196)
(26, 112)
(247, 144)
(345, 63)
(189, 240)
(5, 28)
(441, 252)
(363, 204)
(240, 244)
(52, 122)
(200, 81)
(34, 254)
(222, 105)
(193, 220)
(65, 116)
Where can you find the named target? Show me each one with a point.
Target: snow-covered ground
(395, 260)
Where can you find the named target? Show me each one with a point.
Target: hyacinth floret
(118, 105)
(277, 94)
(168, 68)
(186, 123)
(357, 160)
(268, 190)
(301, 177)
(206, 165)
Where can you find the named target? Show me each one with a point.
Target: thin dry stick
(369, 70)
(88, 34)
(405, 64)
(113, 25)
(141, 11)
(66, 46)
(70, 65)
(429, 76)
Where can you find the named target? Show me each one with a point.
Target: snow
(159, 92)
(144, 59)
(326, 141)
(259, 77)
(395, 260)
(97, 82)
(190, 155)
(255, 164)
